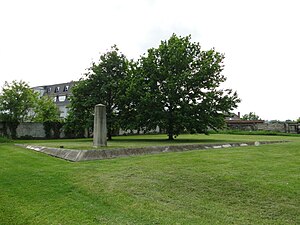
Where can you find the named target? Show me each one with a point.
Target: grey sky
(45, 42)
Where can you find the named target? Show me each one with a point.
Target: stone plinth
(100, 131)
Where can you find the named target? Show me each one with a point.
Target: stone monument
(100, 131)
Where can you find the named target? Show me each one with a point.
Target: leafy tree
(103, 83)
(17, 102)
(80, 116)
(46, 110)
(178, 88)
(129, 117)
(250, 116)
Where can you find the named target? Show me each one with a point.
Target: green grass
(151, 140)
(245, 185)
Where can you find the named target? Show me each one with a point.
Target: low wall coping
(87, 155)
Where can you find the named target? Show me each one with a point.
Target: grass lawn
(245, 185)
(152, 140)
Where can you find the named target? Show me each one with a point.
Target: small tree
(17, 102)
(47, 112)
(250, 116)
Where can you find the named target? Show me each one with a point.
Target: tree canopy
(17, 100)
(179, 89)
(46, 110)
(175, 87)
(19, 103)
(103, 83)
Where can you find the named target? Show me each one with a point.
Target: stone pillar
(100, 132)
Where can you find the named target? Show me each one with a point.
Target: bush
(27, 137)
(4, 139)
(53, 129)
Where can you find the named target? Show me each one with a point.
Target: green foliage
(48, 114)
(17, 101)
(46, 110)
(53, 128)
(250, 116)
(177, 85)
(103, 83)
(174, 87)
(4, 139)
(77, 120)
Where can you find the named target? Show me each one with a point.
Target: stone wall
(35, 130)
(283, 127)
(27, 130)
(276, 127)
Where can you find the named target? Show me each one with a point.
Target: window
(54, 99)
(66, 88)
(49, 89)
(56, 90)
(62, 98)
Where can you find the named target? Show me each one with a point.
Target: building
(234, 121)
(60, 94)
(233, 116)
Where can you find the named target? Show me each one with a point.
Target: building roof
(244, 121)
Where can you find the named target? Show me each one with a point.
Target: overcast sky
(53, 41)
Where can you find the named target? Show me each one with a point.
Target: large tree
(103, 83)
(17, 103)
(178, 84)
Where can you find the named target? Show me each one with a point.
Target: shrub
(4, 139)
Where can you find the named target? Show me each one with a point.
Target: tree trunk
(170, 129)
(171, 136)
(13, 129)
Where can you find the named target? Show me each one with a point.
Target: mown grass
(246, 185)
(152, 140)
